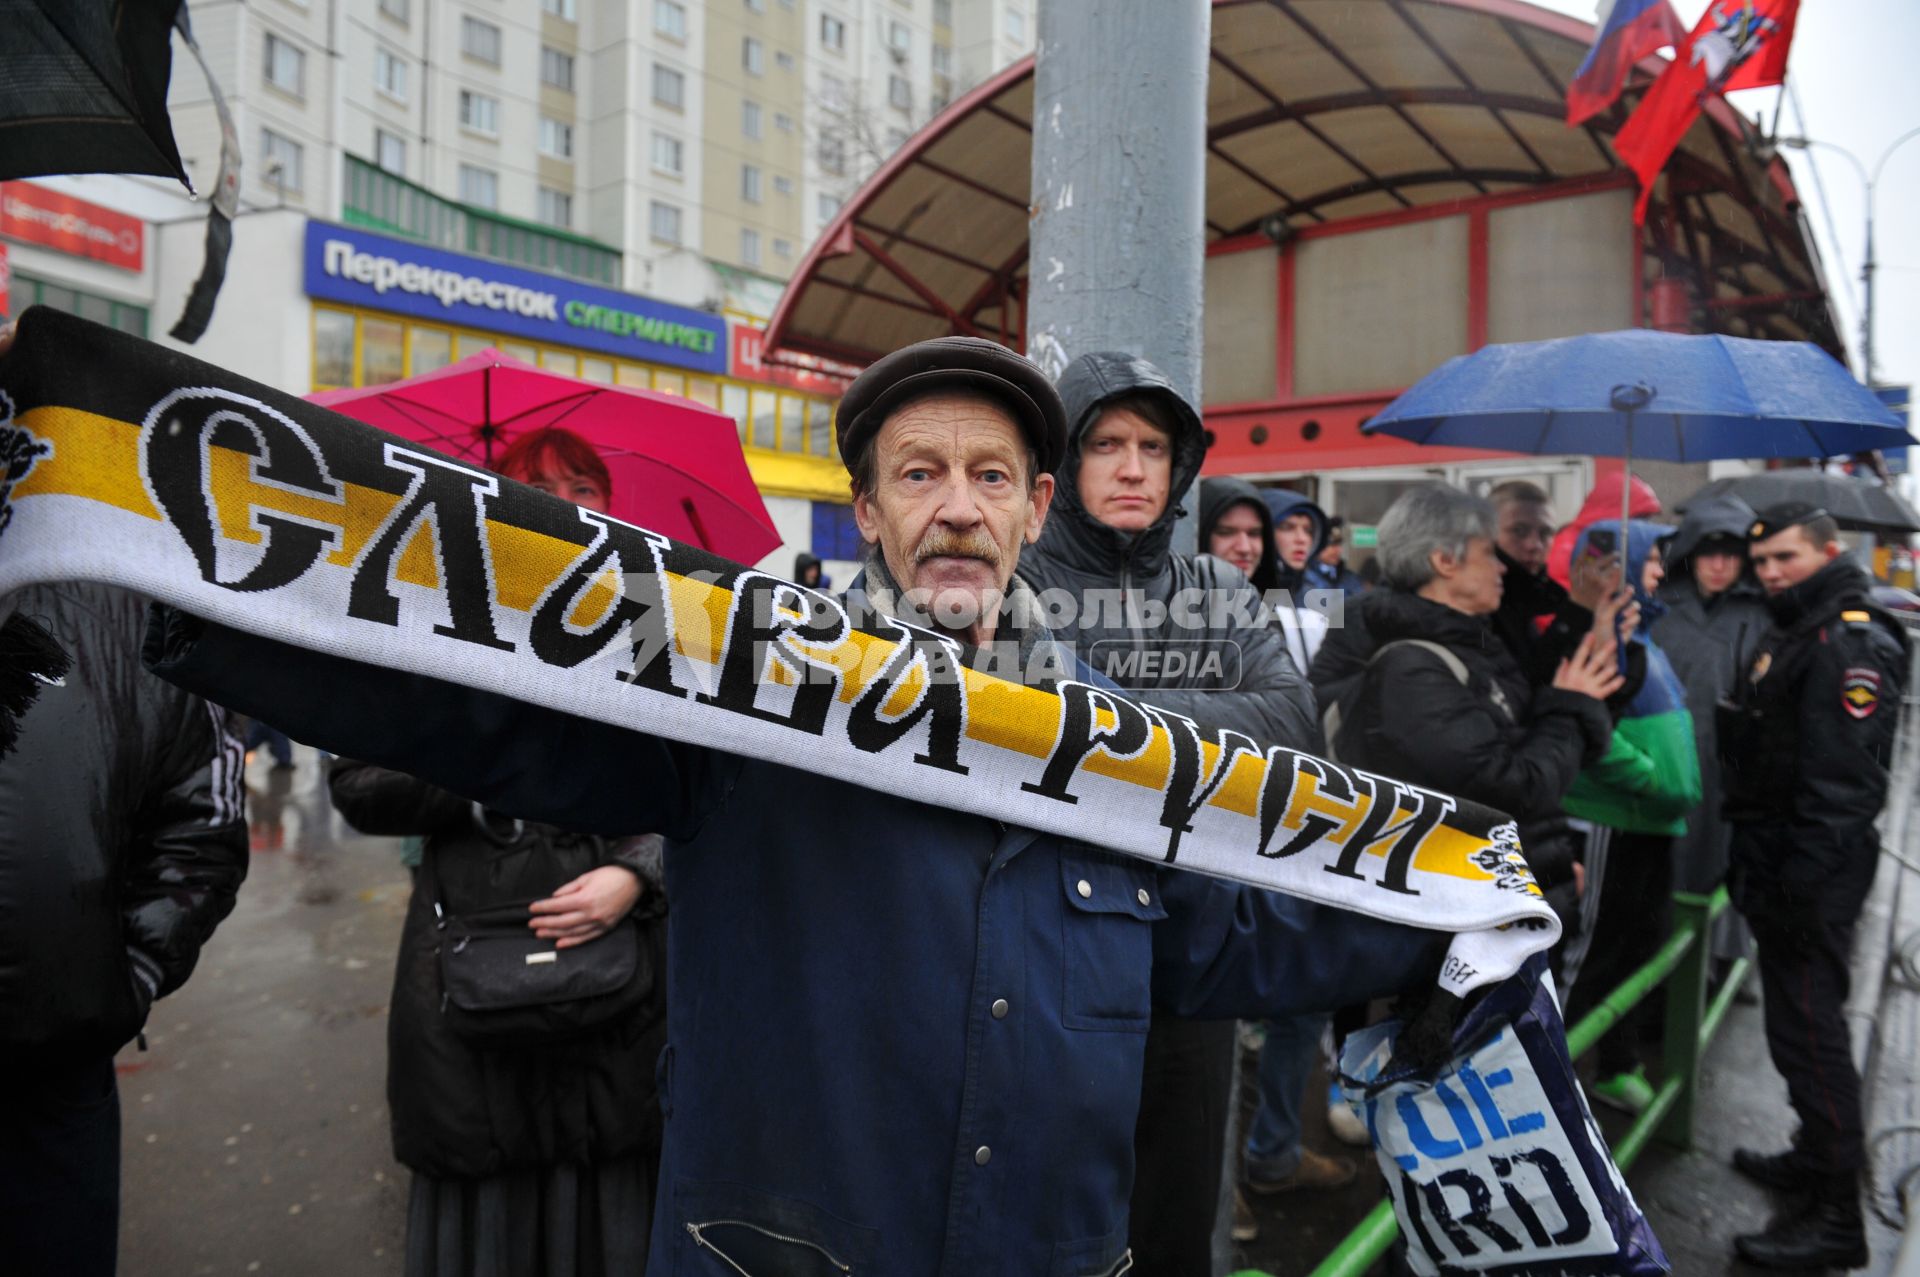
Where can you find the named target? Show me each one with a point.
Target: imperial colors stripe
(147, 469)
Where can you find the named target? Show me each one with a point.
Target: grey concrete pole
(1119, 186)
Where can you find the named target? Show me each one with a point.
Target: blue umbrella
(1665, 396)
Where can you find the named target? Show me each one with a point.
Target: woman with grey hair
(1427, 693)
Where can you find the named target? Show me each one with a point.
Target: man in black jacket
(1805, 747)
(1134, 446)
(123, 839)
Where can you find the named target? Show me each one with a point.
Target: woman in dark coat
(536, 1157)
(1716, 616)
(1428, 693)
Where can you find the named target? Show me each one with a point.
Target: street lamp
(1868, 181)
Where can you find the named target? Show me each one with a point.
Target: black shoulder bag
(501, 984)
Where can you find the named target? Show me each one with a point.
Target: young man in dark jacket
(123, 840)
(1805, 745)
(1716, 616)
(1134, 446)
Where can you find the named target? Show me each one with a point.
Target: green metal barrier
(1690, 1027)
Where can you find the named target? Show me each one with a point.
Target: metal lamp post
(1869, 181)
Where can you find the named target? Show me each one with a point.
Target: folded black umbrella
(1854, 503)
(85, 87)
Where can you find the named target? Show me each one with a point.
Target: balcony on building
(381, 201)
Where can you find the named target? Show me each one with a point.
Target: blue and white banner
(360, 268)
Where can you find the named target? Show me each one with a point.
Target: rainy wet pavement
(256, 1123)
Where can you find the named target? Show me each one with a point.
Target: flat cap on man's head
(1782, 515)
(969, 364)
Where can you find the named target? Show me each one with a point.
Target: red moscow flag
(1737, 44)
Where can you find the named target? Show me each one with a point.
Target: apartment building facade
(667, 158)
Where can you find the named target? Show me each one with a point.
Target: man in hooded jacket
(1716, 617)
(1111, 528)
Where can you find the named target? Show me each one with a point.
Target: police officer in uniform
(1805, 745)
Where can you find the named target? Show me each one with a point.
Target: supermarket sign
(359, 268)
(35, 215)
(795, 372)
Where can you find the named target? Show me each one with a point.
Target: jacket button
(1142, 896)
(982, 1155)
(999, 1008)
(1085, 889)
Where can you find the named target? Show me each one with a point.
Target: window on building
(943, 59)
(556, 138)
(783, 121)
(783, 248)
(899, 38)
(900, 92)
(286, 66)
(390, 152)
(1016, 25)
(390, 74)
(479, 187)
(480, 40)
(833, 92)
(833, 154)
(783, 59)
(559, 8)
(750, 120)
(896, 138)
(480, 112)
(826, 206)
(284, 161)
(942, 13)
(555, 208)
(669, 87)
(332, 347)
(556, 68)
(753, 56)
(395, 9)
(29, 291)
(833, 33)
(670, 19)
(756, 6)
(663, 220)
(749, 247)
(782, 185)
(669, 154)
(750, 183)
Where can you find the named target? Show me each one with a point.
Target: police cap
(955, 363)
(1778, 518)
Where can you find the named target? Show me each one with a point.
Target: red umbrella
(676, 466)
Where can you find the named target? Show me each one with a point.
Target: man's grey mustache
(948, 545)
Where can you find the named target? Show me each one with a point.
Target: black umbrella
(1854, 503)
(85, 87)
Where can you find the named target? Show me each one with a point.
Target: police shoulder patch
(1860, 691)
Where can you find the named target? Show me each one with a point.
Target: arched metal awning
(1318, 111)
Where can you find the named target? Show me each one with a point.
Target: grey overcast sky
(1853, 69)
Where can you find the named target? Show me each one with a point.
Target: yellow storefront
(787, 434)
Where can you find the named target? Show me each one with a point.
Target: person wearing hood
(808, 571)
(1601, 503)
(1640, 792)
(1134, 445)
(1716, 615)
(1236, 524)
(1805, 744)
(1329, 570)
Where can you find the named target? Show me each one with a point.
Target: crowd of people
(845, 1031)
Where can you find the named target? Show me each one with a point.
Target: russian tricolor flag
(1628, 30)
